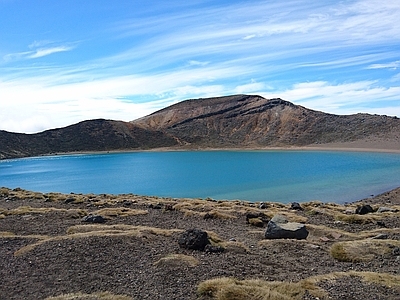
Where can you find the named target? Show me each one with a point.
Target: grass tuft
(177, 261)
(232, 289)
(362, 250)
(95, 296)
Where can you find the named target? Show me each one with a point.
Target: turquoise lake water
(281, 176)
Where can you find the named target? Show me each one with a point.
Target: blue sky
(62, 61)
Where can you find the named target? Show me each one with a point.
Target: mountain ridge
(236, 121)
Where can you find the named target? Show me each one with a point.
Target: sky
(65, 61)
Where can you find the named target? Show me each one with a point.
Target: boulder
(364, 209)
(295, 206)
(280, 228)
(93, 219)
(195, 239)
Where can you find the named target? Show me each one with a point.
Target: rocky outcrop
(280, 228)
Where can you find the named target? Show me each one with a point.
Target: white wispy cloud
(346, 98)
(37, 51)
(316, 54)
(391, 65)
(48, 51)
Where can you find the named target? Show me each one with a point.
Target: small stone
(93, 219)
(381, 236)
(69, 200)
(213, 249)
(263, 206)
(336, 235)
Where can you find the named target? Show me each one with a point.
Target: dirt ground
(46, 250)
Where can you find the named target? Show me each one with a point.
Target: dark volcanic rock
(280, 228)
(195, 239)
(93, 219)
(295, 206)
(364, 209)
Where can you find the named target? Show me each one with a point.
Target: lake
(280, 176)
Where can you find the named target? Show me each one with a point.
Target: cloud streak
(330, 56)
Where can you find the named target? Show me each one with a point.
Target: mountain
(92, 135)
(236, 121)
(253, 121)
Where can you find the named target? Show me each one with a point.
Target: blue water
(281, 176)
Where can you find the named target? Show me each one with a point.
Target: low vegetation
(362, 250)
(233, 289)
(95, 296)
(177, 261)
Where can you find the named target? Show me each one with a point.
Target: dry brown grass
(23, 210)
(177, 261)
(362, 250)
(6, 234)
(232, 289)
(229, 288)
(95, 296)
(236, 247)
(120, 228)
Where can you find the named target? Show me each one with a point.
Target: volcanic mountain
(238, 121)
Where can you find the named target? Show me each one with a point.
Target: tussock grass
(177, 261)
(357, 219)
(6, 234)
(120, 228)
(317, 231)
(23, 210)
(95, 230)
(95, 296)
(120, 212)
(362, 250)
(236, 247)
(232, 289)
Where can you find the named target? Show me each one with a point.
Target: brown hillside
(244, 120)
(93, 135)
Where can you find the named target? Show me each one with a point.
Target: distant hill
(237, 121)
(92, 135)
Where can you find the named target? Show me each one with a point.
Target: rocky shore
(53, 247)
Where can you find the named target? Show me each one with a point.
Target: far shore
(343, 147)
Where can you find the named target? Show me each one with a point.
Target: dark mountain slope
(93, 135)
(243, 120)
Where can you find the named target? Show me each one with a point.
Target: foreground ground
(47, 252)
